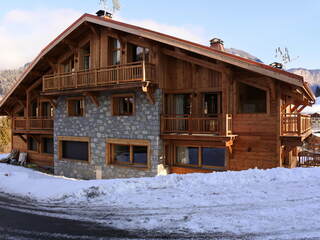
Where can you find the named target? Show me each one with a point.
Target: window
(137, 53)
(178, 104)
(76, 107)
(74, 148)
(32, 144)
(47, 145)
(188, 155)
(128, 152)
(251, 99)
(212, 104)
(68, 65)
(115, 51)
(123, 104)
(86, 60)
(47, 109)
(34, 109)
(200, 156)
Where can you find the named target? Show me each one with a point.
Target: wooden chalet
(150, 99)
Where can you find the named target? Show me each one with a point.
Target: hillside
(8, 78)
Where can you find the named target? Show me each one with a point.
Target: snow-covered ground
(271, 204)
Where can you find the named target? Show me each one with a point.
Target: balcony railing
(33, 123)
(197, 124)
(295, 124)
(101, 77)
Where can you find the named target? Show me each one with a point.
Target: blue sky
(258, 27)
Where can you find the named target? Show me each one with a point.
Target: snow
(315, 108)
(276, 203)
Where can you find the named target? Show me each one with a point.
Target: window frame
(82, 102)
(237, 98)
(200, 162)
(110, 143)
(73, 139)
(115, 104)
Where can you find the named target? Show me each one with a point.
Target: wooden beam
(301, 108)
(53, 64)
(93, 97)
(149, 92)
(53, 102)
(294, 108)
(186, 57)
(92, 29)
(71, 45)
(35, 84)
(22, 138)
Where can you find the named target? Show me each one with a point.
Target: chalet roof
(223, 56)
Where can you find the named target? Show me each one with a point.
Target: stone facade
(99, 125)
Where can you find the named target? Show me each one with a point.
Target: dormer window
(115, 47)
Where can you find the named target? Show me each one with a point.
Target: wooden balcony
(295, 125)
(138, 72)
(33, 125)
(190, 124)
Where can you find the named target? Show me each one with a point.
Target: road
(25, 219)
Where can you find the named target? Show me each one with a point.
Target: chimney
(217, 43)
(103, 14)
(276, 65)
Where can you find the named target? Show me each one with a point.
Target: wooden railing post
(299, 123)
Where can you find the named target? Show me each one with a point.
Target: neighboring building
(106, 99)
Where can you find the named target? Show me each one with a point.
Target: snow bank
(279, 201)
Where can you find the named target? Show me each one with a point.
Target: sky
(258, 27)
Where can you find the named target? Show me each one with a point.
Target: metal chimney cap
(276, 65)
(216, 40)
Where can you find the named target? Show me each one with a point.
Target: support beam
(294, 108)
(301, 108)
(186, 57)
(53, 64)
(22, 138)
(53, 102)
(92, 29)
(149, 92)
(93, 97)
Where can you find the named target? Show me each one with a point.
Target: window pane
(86, 62)
(32, 144)
(182, 104)
(125, 105)
(47, 145)
(187, 155)
(251, 99)
(116, 57)
(75, 150)
(140, 155)
(213, 157)
(211, 104)
(122, 153)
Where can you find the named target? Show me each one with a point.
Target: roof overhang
(173, 41)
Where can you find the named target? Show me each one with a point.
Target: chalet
(106, 99)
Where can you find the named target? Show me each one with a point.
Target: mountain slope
(8, 78)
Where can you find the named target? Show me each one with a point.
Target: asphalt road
(18, 223)
(24, 219)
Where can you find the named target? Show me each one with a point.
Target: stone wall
(98, 124)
